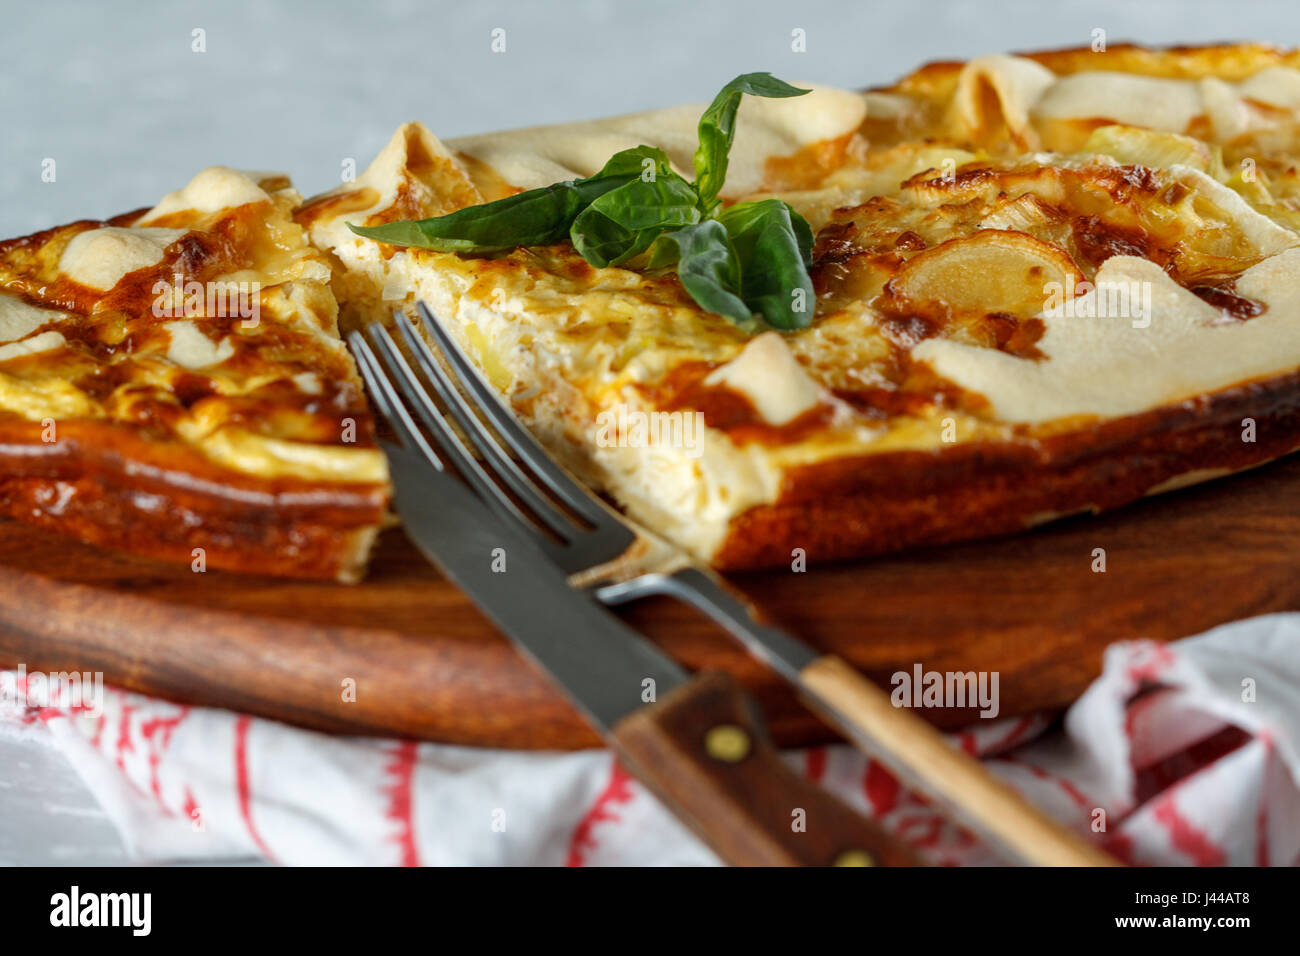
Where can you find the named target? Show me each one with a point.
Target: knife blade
(696, 742)
(599, 661)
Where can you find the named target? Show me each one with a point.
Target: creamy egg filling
(566, 344)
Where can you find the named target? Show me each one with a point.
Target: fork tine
(384, 396)
(512, 433)
(481, 437)
(453, 449)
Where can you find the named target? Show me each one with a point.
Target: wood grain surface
(426, 665)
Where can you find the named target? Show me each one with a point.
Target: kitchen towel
(1179, 754)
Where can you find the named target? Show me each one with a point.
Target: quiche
(172, 383)
(1044, 284)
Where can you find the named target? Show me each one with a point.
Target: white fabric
(184, 783)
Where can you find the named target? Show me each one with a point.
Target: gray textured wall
(114, 94)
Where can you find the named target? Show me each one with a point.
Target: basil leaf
(537, 217)
(708, 268)
(632, 162)
(668, 202)
(603, 242)
(717, 129)
(624, 221)
(773, 244)
(663, 254)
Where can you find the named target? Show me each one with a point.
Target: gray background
(114, 94)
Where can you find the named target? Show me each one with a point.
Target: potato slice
(990, 271)
(1151, 148)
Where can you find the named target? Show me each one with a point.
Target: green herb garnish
(750, 258)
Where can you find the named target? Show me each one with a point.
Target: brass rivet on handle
(727, 742)
(854, 858)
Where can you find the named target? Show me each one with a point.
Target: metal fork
(602, 550)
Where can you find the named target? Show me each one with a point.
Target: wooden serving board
(427, 665)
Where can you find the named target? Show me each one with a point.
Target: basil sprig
(717, 130)
(750, 258)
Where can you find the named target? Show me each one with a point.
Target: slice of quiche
(1045, 284)
(172, 383)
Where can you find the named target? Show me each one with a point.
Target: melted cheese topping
(212, 329)
(212, 190)
(191, 349)
(767, 374)
(99, 258)
(1114, 365)
(37, 343)
(18, 319)
(1133, 100)
(1027, 94)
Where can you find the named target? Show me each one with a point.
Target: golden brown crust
(109, 485)
(876, 504)
(1228, 61)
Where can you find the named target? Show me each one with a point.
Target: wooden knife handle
(910, 747)
(705, 753)
(957, 780)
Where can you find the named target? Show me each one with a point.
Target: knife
(697, 743)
